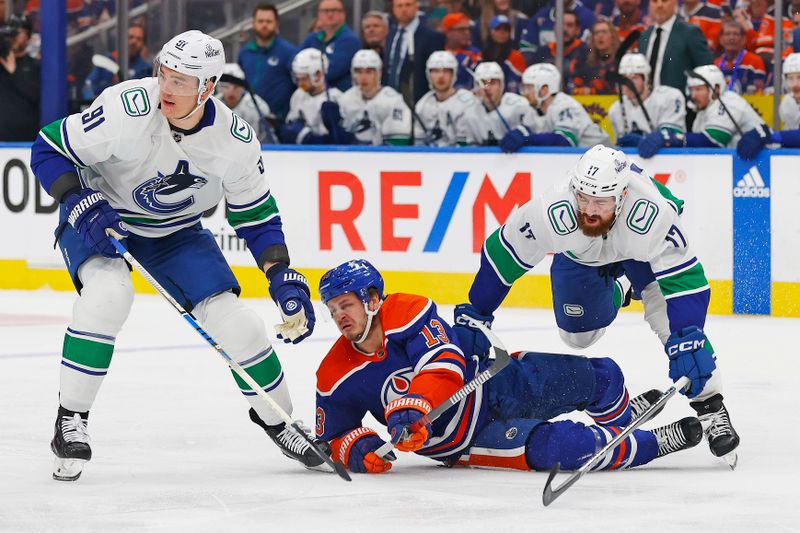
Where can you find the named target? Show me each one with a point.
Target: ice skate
(722, 438)
(70, 444)
(641, 403)
(681, 435)
(292, 444)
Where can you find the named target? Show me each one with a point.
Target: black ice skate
(722, 438)
(70, 444)
(292, 444)
(642, 402)
(681, 435)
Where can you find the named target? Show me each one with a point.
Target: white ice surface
(174, 449)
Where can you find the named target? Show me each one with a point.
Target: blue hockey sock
(610, 403)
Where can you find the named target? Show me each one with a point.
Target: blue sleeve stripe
(682, 266)
(511, 249)
(67, 144)
(250, 204)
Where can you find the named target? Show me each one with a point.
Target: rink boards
(420, 215)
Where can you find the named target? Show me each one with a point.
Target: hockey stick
(263, 119)
(114, 238)
(501, 359)
(620, 80)
(713, 91)
(491, 103)
(551, 493)
(624, 46)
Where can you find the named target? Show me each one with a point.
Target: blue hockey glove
(290, 132)
(90, 214)
(630, 139)
(356, 450)
(653, 141)
(691, 355)
(753, 141)
(409, 414)
(515, 139)
(331, 115)
(471, 338)
(289, 290)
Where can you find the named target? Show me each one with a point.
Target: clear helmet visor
(175, 83)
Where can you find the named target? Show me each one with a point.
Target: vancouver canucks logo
(396, 384)
(150, 194)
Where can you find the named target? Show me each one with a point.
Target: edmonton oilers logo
(151, 194)
(396, 385)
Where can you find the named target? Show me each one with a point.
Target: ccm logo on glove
(685, 346)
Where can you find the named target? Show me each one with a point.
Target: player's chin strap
(200, 104)
(370, 316)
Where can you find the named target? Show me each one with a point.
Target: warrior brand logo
(148, 195)
(82, 206)
(295, 276)
(751, 185)
(396, 385)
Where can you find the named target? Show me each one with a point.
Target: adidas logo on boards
(751, 185)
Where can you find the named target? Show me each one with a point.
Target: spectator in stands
(600, 8)
(267, 60)
(492, 8)
(744, 71)
(500, 48)
(99, 79)
(19, 84)
(704, 16)
(459, 41)
(759, 23)
(408, 47)
(629, 17)
(374, 29)
(232, 90)
(575, 50)
(589, 77)
(539, 31)
(672, 46)
(337, 40)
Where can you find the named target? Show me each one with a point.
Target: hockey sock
(265, 369)
(610, 403)
(84, 363)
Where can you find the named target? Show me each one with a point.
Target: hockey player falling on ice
(397, 359)
(500, 111)
(566, 122)
(146, 160)
(661, 115)
(609, 219)
(373, 114)
(441, 113)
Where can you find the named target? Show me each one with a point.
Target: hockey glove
(753, 141)
(515, 139)
(289, 290)
(471, 338)
(691, 355)
(655, 140)
(356, 450)
(629, 140)
(406, 419)
(331, 115)
(90, 214)
(290, 133)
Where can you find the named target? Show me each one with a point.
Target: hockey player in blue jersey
(610, 219)
(398, 358)
(146, 160)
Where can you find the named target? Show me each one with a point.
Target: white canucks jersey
(383, 119)
(303, 106)
(715, 123)
(790, 112)
(484, 125)
(567, 117)
(666, 106)
(157, 179)
(443, 121)
(246, 109)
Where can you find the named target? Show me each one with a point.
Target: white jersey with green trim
(383, 119)
(790, 112)
(567, 117)
(160, 180)
(443, 120)
(715, 123)
(306, 107)
(665, 105)
(246, 109)
(648, 229)
(481, 121)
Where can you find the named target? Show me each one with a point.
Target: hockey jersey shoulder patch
(642, 215)
(135, 101)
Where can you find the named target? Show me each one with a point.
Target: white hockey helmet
(193, 53)
(710, 73)
(441, 59)
(791, 64)
(233, 70)
(309, 62)
(366, 59)
(634, 64)
(541, 75)
(602, 172)
(489, 70)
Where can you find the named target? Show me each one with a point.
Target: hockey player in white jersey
(609, 218)
(441, 112)
(145, 161)
(753, 141)
(663, 108)
(233, 90)
(566, 122)
(313, 118)
(500, 111)
(373, 114)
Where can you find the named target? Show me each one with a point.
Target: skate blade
(68, 469)
(732, 458)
